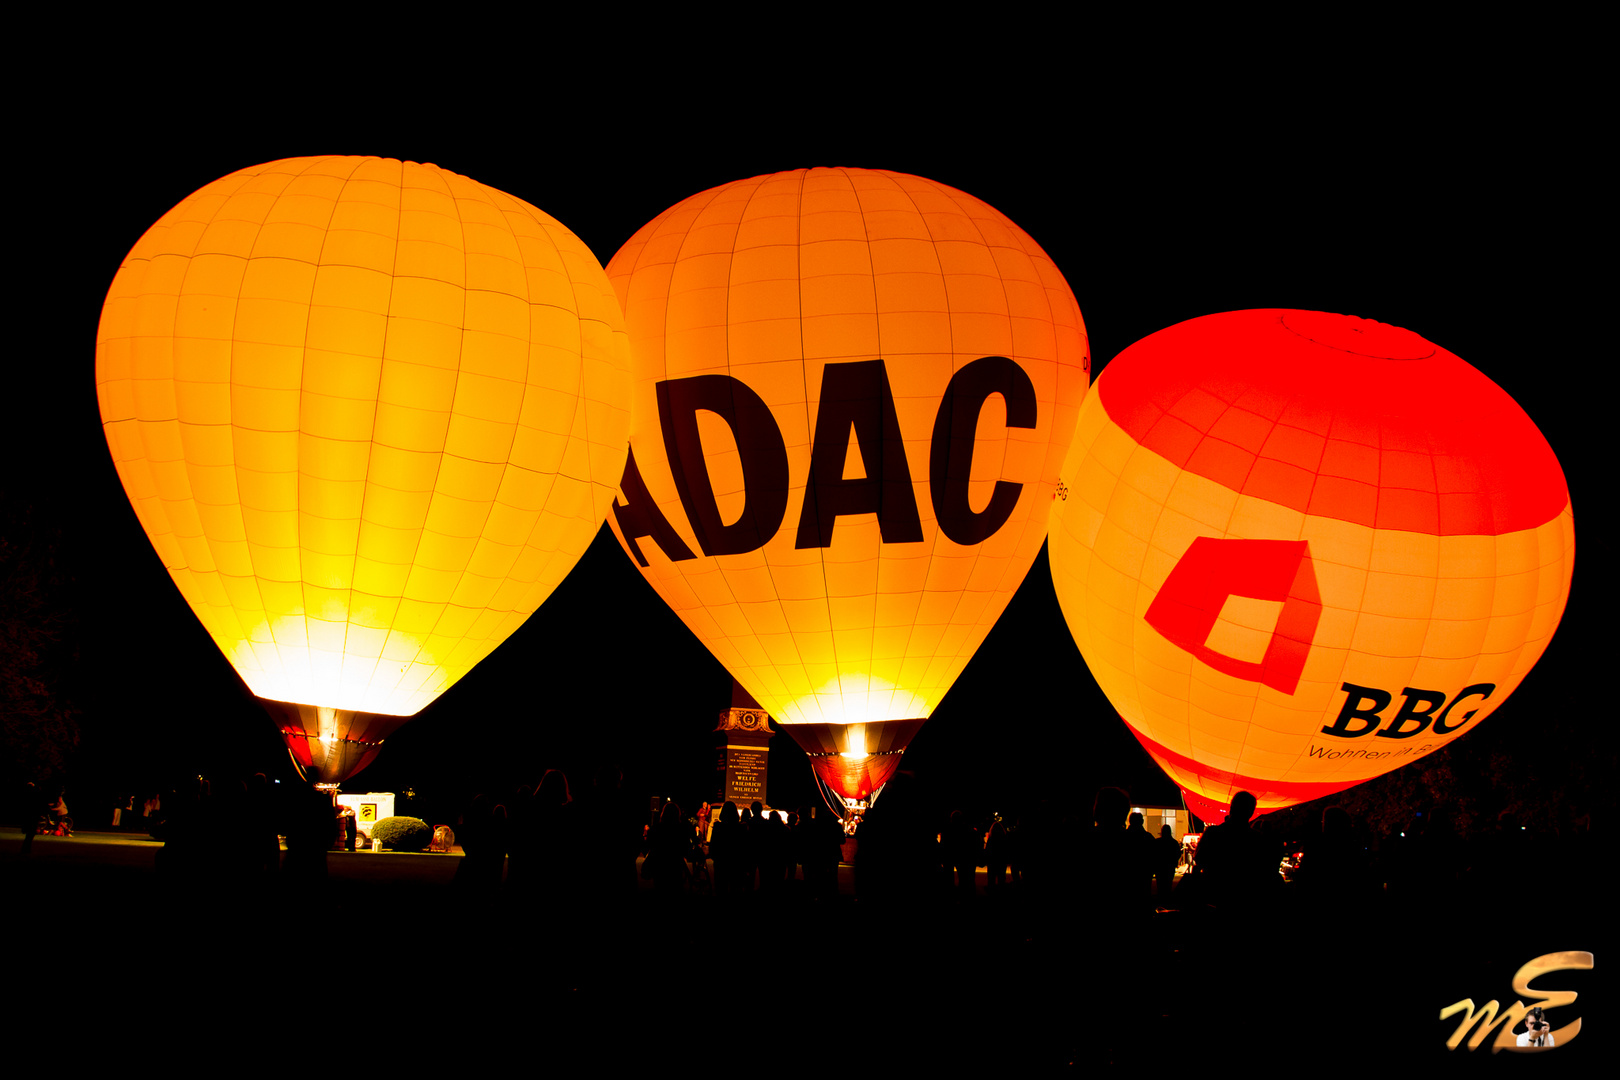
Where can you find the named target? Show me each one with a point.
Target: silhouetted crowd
(555, 841)
(1093, 940)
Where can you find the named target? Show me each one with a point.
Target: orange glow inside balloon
(369, 413)
(1298, 550)
(852, 392)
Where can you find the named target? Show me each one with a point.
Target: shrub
(403, 833)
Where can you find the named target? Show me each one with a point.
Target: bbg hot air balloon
(369, 413)
(1298, 550)
(852, 393)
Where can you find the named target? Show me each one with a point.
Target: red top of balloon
(1337, 417)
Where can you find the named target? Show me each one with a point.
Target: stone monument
(744, 750)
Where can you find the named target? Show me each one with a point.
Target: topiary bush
(403, 833)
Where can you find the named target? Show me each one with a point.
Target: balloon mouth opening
(854, 761)
(1213, 812)
(330, 745)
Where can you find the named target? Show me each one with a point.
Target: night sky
(1463, 216)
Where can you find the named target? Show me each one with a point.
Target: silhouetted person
(521, 848)
(997, 855)
(1039, 851)
(550, 847)
(1015, 851)
(1166, 854)
(483, 834)
(30, 808)
(962, 852)
(187, 830)
(309, 835)
(820, 840)
(773, 854)
(608, 831)
(263, 849)
(667, 847)
(790, 850)
(726, 843)
(1237, 864)
(60, 817)
(754, 847)
(1334, 870)
(1111, 871)
(1143, 851)
(899, 859)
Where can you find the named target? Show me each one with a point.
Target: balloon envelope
(852, 392)
(1298, 550)
(369, 413)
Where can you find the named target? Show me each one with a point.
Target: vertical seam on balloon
(230, 394)
(1254, 702)
(1021, 237)
(229, 423)
(382, 360)
(477, 189)
(298, 484)
(146, 454)
(297, 472)
(371, 442)
(235, 315)
(1163, 505)
(1131, 617)
(731, 264)
(1367, 568)
(950, 330)
(1226, 532)
(1511, 659)
(804, 382)
(207, 541)
(524, 208)
(439, 466)
(1434, 574)
(674, 264)
(877, 333)
(146, 457)
(719, 567)
(1302, 755)
(348, 610)
(1316, 475)
(764, 560)
(974, 557)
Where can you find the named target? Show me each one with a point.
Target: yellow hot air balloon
(370, 413)
(853, 390)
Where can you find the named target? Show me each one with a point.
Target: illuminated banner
(852, 392)
(1298, 550)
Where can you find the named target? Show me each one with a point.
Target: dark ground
(390, 963)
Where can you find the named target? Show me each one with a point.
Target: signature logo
(1539, 1033)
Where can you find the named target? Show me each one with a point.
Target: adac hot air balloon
(1298, 550)
(852, 393)
(369, 413)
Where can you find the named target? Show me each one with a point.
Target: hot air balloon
(852, 392)
(369, 413)
(1299, 549)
